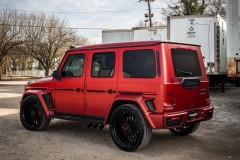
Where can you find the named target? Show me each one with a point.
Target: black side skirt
(77, 117)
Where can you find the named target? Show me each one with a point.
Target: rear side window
(139, 64)
(103, 64)
(73, 66)
(186, 63)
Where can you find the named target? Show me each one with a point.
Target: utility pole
(148, 15)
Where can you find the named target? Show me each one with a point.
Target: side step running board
(82, 118)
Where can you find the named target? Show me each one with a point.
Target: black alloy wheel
(128, 128)
(32, 114)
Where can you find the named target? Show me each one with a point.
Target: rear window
(186, 63)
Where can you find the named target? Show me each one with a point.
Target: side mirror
(56, 75)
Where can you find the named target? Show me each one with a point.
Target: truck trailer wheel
(185, 129)
(237, 82)
(128, 128)
(32, 114)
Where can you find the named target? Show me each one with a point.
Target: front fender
(39, 94)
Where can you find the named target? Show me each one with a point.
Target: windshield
(186, 63)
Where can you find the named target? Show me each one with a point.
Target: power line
(29, 26)
(107, 17)
(112, 17)
(87, 12)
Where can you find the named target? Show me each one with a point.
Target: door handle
(78, 90)
(110, 91)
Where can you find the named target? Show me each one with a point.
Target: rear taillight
(208, 101)
(170, 103)
(168, 107)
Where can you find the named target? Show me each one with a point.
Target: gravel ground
(215, 140)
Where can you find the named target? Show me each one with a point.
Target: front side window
(103, 64)
(139, 64)
(186, 63)
(73, 66)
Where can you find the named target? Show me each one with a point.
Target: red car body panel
(94, 96)
(39, 93)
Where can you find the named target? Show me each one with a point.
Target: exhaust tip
(95, 126)
(89, 125)
(101, 126)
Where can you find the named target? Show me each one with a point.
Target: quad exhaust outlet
(94, 125)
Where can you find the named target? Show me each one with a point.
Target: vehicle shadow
(161, 139)
(65, 136)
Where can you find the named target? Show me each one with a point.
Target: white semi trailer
(233, 40)
(117, 35)
(209, 32)
(135, 34)
(150, 33)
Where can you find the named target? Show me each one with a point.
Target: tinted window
(139, 64)
(186, 63)
(103, 64)
(73, 66)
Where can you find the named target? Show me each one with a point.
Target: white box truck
(150, 33)
(233, 40)
(135, 34)
(117, 35)
(209, 32)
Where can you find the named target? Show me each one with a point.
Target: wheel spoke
(32, 114)
(126, 129)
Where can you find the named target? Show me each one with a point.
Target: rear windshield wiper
(184, 72)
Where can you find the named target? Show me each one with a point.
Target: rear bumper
(177, 119)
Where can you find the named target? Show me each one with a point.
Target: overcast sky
(109, 14)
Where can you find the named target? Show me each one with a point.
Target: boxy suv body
(134, 87)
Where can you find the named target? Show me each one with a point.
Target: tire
(186, 129)
(128, 128)
(237, 82)
(32, 115)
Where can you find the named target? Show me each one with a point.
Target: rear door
(189, 77)
(101, 81)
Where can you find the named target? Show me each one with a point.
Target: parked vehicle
(117, 35)
(233, 40)
(133, 87)
(209, 32)
(135, 34)
(150, 33)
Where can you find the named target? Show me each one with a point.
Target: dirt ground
(218, 139)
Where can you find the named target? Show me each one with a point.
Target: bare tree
(217, 7)
(184, 7)
(154, 23)
(19, 62)
(11, 29)
(45, 36)
(195, 7)
(142, 24)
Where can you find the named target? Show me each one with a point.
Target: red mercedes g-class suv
(134, 87)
